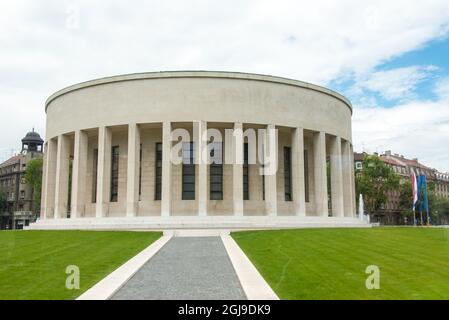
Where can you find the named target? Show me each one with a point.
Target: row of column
(56, 173)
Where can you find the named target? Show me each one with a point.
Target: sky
(390, 58)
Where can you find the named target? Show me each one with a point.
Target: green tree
(374, 183)
(439, 209)
(438, 206)
(405, 200)
(33, 177)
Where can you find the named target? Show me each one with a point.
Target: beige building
(403, 167)
(115, 137)
(19, 208)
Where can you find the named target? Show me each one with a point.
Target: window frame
(216, 172)
(245, 171)
(115, 170)
(158, 172)
(188, 171)
(94, 175)
(288, 195)
(306, 176)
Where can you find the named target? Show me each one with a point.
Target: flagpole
(426, 200)
(414, 216)
(414, 196)
(419, 192)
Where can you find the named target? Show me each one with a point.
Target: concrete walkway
(190, 268)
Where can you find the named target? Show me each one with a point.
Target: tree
(33, 177)
(438, 206)
(374, 183)
(439, 209)
(405, 200)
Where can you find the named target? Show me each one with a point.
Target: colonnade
(326, 149)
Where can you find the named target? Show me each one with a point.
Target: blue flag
(425, 200)
(423, 204)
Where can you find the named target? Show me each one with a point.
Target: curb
(109, 285)
(254, 285)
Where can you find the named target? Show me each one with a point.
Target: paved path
(186, 268)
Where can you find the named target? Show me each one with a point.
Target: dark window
(94, 176)
(140, 172)
(263, 174)
(287, 174)
(158, 188)
(216, 171)
(306, 175)
(114, 173)
(245, 173)
(188, 171)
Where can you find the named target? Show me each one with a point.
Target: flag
(424, 192)
(414, 190)
(420, 184)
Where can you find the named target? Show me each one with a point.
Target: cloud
(442, 88)
(414, 129)
(394, 84)
(49, 44)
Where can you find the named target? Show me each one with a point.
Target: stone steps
(182, 224)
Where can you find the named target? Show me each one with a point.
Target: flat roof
(197, 74)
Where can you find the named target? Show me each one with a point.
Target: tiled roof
(391, 161)
(415, 163)
(358, 156)
(12, 160)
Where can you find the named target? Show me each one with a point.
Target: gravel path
(190, 268)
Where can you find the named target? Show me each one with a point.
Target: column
(298, 177)
(44, 181)
(347, 179)
(336, 177)
(271, 153)
(79, 174)
(49, 188)
(166, 192)
(200, 145)
(320, 173)
(237, 170)
(62, 177)
(352, 180)
(132, 185)
(104, 171)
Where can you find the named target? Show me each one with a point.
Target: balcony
(23, 214)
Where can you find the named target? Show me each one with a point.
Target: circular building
(133, 147)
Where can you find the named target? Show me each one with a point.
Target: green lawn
(331, 263)
(33, 263)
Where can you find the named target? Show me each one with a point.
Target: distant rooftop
(12, 160)
(32, 137)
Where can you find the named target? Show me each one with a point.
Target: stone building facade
(19, 210)
(115, 136)
(403, 167)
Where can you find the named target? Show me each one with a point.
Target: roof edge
(197, 74)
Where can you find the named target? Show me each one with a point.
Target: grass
(331, 263)
(33, 263)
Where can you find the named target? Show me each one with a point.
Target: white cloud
(49, 44)
(414, 129)
(442, 88)
(393, 84)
